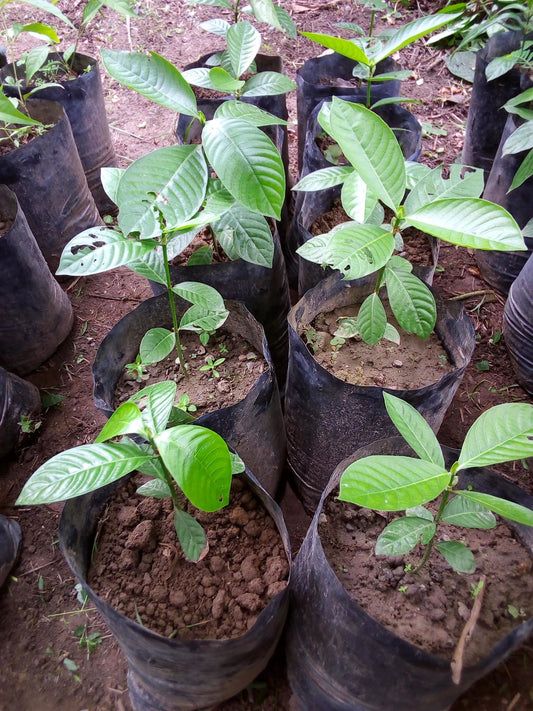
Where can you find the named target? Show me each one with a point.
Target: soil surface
(47, 662)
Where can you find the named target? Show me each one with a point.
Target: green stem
(179, 350)
(169, 481)
(236, 12)
(429, 547)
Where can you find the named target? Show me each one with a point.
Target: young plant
(262, 10)
(445, 208)
(400, 483)
(368, 50)
(211, 366)
(182, 461)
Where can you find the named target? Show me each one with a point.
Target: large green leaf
(216, 26)
(324, 178)
(199, 319)
(507, 509)
(176, 176)
(156, 403)
(358, 201)
(199, 461)
(414, 429)
(200, 294)
(190, 534)
(371, 320)
(457, 555)
(316, 249)
(246, 235)
(265, 11)
(341, 46)
(248, 163)
(390, 483)
(243, 42)
(469, 222)
(99, 250)
(286, 22)
(48, 7)
(409, 33)
(501, 434)
(123, 7)
(433, 186)
(156, 488)
(248, 112)
(358, 250)
(403, 534)
(110, 177)
(461, 511)
(371, 147)
(151, 266)
(126, 419)
(80, 470)
(221, 80)
(152, 76)
(411, 301)
(268, 84)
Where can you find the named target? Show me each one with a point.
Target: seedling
(183, 460)
(185, 404)
(211, 366)
(137, 371)
(449, 209)
(399, 483)
(28, 425)
(88, 640)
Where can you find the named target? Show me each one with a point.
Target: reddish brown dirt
(43, 664)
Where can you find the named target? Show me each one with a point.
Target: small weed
(408, 568)
(311, 338)
(495, 338)
(137, 371)
(223, 349)
(49, 399)
(28, 425)
(211, 366)
(72, 668)
(515, 612)
(402, 589)
(475, 588)
(337, 342)
(88, 641)
(483, 366)
(184, 403)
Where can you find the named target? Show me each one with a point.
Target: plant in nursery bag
(445, 208)
(182, 461)
(368, 50)
(251, 185)
(36, 60)
(399, 483)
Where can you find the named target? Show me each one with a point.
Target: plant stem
(179, 350)
(429, 547)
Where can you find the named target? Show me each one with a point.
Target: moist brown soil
(413, 363)
(44, 666)
(207, 391)
(219, 597)
(431, 607)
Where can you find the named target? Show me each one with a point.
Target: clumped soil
(45, 666)
(431, 607)
(219, 597)
(411, 364)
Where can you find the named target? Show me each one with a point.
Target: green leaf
(432, 186)
(216, 26)
(394, 483)
(221, 80)
(324, 178)
(409, 33)
(201, 320)
(370, 146)
(268, 84)
(200, 294)
(237, 465)
(156, 488)
(469, 222)
(316, 249)
(499, 66)
(126, 419)
(391, 334)
(357, 200)
(502, 507)
(246, 235)
(156, 345)
(123, 7)
(190, 534)
(411, 301)
(152, 76)
(80, 470)
(501, 434)
(461, 511)
(243, 42)
(201, 256)
(414, 429)
(110, 178)
(358, 250)
(248, 163)
(151, 266)
(199, 461)
(98, 250)
(173, 179)
(35, 60)
(457, 555)
(341, 46)
(248, 112)
(155, 402)
(286, 22)
(51, 9)
(11, 115)
(521, 139)
(371, 320)
(525, 171)
(403, 534)
(265, 11)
